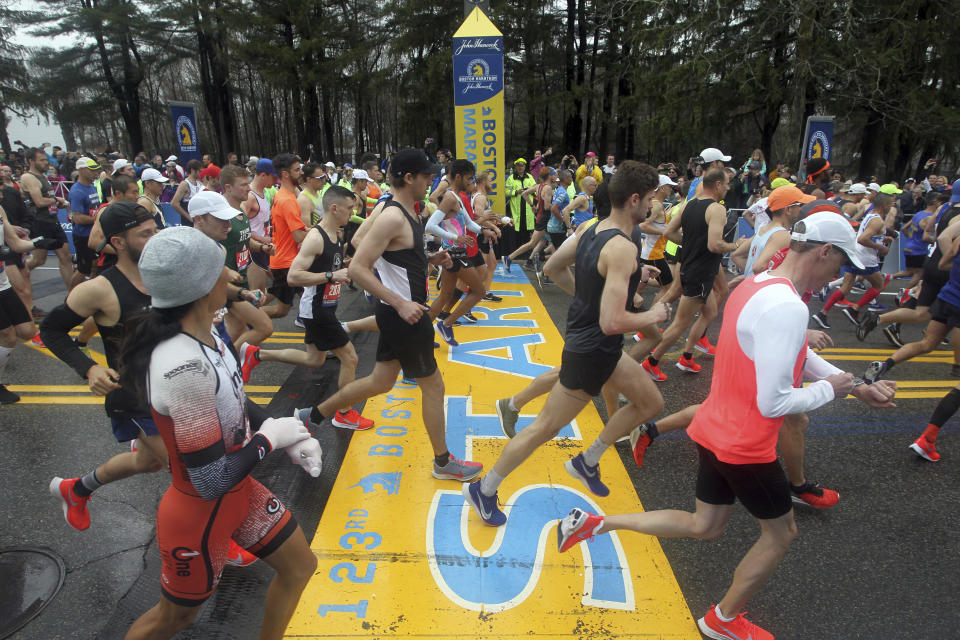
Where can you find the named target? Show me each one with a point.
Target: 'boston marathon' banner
(184, 116)
(817, 139)
(478, 99)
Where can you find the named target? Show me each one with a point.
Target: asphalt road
(880, 564)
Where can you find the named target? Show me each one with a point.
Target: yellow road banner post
(478, 100)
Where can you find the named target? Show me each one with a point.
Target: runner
(762, 352)
(481, 207)
(654, 241)
(311, 198)
(42, 206)
(394, 246)
(559, 226)
(541, 216)
(701, 221)
(190, 379)
(783, 210)
(288, 232)
(112, 299)
(188, 187)
(153, 184)
(608, 271)
(258, 211)
(17, 216)
(84, 200)
(319, 268)
(580, 208)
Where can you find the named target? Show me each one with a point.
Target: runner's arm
(11, 239)
(433, 226)
(674, 232)
(618, 261)
(306, 209)
(716, 218)
(365, 225)
(177, 199)
(775, 242)
(31, 185)
(85, 301)
(557, 267)
(299, 274)
(874, 228)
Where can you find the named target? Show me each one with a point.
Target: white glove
(283, 432)
(307, 454)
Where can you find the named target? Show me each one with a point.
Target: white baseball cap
(710, 154)
(331, 165)
(86, 163)
(360, 174)
(857, 189)
(253, 161)
(154, 175)
(665, 180)
(120, 164)
(873, 186)
(211, 202)
(171, 159)
(826, 226)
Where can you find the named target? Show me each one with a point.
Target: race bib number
(331, 295)
(243, 258)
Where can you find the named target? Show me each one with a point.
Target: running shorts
(697, 285)
(410, 344)
(557, 238)
(866, 271)
(282, 291)
(193, 535)
(15, 260)
(86, 257)
(324, 331)
(477, 260)
(666, 276)
(540, 223)
(260, 259)
(933, 281)
(914, 260)
(762, 488)
(12, 309)
(587, 371)
(127, 429)
(49, 229)
(945, 313)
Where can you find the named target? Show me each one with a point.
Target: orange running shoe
(737, 629)
(654, 371)
(74, 506)
(925, 449)
(37, 341)
(249, 359)
(238, 556)
(703, 346)
(814, 495)
(639, 441)
(352, 420)
(578, 526)
(685, 364)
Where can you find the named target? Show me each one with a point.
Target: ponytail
(143, 334)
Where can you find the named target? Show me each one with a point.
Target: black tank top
(404, 271)
(133, 302)
(583, 320)
(46, 190)
(325, 296)
(697, 258)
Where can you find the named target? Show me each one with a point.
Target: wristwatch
(329, 276)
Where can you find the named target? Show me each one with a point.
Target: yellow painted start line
(402, 555)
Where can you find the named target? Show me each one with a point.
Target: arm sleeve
(816, 368)
(433, 227)
(473, 226)
(767, 330)
(55, 333)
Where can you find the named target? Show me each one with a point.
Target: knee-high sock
(868, 297)
(834, 298)
(945, 410)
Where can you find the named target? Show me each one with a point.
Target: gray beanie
(180, 265)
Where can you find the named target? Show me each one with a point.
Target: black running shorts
(281, 290)
(945, 313)
(587, 371)
(86, 257)
(697, 285)
(933, 281)
(324, 331)
(410, 344)
(666, 276)
(12, 309)
(49, 229)
(914, 260)
(762, 488)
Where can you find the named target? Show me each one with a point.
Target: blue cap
(347, 165)
(265, 165)
(955, 192)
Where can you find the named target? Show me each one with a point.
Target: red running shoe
(577, 527)
(352, 420)
(639, 441)
(249, 359)
(925, 449)
(238, 556)
(37, 341)
(737, 629)
(814, 495)
(74, 506)
(689, 365)
(654, 371)
(703, 346)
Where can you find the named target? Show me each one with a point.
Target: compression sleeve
(55, 333)
(816, 368)
(255, 414)
(433, 227)
(473, 226)
(771, 326)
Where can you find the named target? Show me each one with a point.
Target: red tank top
(729, 423)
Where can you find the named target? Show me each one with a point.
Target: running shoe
(508, 417)
(578, 526)
(299, 322)
(492, 298)
(866, 325)
(639, 441)
(304, 416)
(352, 420)
(886, 280)
(703, 346)
(737, 629)
(925, 449)
(589, 476)
(814, 495)
(654, 371)
(346, 329)
(874, 371)
(447, 334)
(455, 469)
(535, 259)
(249, 360)
(238, 556)
(638, 336)
(507, 263)
(821, 319)
(37, 341)
(7, 396)
(485, 506)
(903, 296)
(843, 302)
(469, 317)
(74, 506)
(852, 315)
(688, 364)
(892, 332)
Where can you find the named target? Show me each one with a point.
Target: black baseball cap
(119, 217)
(411, 161)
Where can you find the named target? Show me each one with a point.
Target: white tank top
(758, 244)
(869, 257)
(650, 239)
(258, 223)
(192, 190)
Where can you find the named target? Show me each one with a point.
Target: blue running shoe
(507, 263)
(447, 334)
(486, 508)
(589, 476)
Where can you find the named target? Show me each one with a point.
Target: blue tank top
(951, 291)
(911, 235)
(579, 217)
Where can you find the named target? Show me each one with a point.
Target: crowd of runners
(182, 306)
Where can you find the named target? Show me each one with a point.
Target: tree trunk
(574, 122)
(870, 143)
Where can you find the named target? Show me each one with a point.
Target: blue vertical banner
(817, 140)
(478, 100)
(184, 115)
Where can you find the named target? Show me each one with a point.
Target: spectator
(756, 156)
(588, 168)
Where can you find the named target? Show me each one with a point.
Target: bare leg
(87, 331)
(640, 390)
(368, 323)
(760, 562)
(540, 385)
(434, 419)
(65, 264)
(161, 622)
(379, 381)
(706, 523)
(792, 447)
(682, 320)
(931, 339)
(448, 283)
(257, 277)
(279, 310)
(474, 295)
(150, 456)
(312, 357)
(707, 314)
(20, 281)
(294, 563)
(243, 315)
